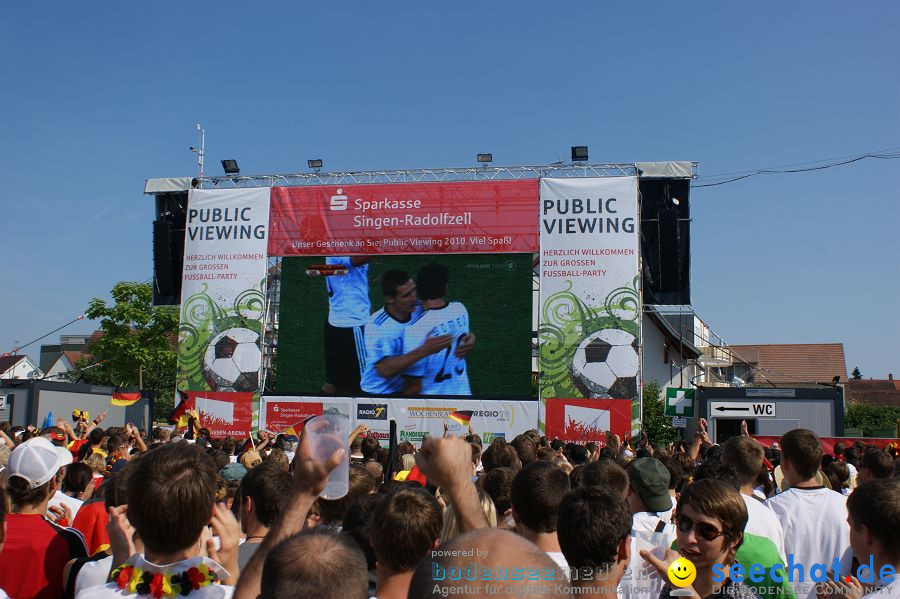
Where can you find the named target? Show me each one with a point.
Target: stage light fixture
(231, 167)
(485, 158)
(314, 163)
(579, 153)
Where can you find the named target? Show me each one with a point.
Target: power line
(782, 171)
(76, 319)
(892, 150)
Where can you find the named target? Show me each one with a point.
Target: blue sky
(96, 100)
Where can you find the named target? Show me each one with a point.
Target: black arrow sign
(724, 409)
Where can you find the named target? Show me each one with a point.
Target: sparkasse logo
(339, 201)
(371, 411)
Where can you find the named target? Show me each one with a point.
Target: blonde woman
(97, 464)
(450, 528)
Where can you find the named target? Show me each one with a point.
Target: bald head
(499, 553)
(315, 563)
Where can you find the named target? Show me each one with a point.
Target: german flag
(247, 446)
(461, 416)
(179, 415)
(416, 475)
(125, 397)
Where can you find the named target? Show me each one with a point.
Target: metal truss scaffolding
(426, 175)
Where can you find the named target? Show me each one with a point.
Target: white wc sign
(735, 409)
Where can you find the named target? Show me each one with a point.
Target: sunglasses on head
(705, 531)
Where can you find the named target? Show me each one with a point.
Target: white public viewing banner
(223, 293)
(590, 306)
(415, 418)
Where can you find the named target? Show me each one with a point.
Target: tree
(856, 374)
(136, 346)
(870, 418)
(654, 422)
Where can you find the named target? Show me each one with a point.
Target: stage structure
(304, 279)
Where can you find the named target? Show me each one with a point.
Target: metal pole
(202, 151)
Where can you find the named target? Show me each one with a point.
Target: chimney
(890, 376)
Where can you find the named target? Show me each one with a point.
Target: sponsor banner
(372, 411)
(590, 302)
(583, 420)
(223, 290)
(488, 418)
(277, 414)
(404, 218)
(224, 414)
(417, 418)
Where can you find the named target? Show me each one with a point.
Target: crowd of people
(93, 513)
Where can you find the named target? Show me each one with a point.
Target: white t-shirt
(384, 339)
(635, 583)
(442, 373)
(560, 561)
(348, 295)
(93, 573)
(763, 522)
(815, 531)
(213, 591)
(60, 498)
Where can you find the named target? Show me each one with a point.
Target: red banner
(224, 414)
(406, 218)
(282, 414)
(583, 420)
(828, 442)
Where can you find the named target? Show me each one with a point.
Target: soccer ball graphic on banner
(606, 365)
(232, 360)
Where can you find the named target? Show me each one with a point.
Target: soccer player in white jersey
(442, 373)
(386, 358)
(348, 311)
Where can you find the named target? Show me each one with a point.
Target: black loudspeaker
(162, 257)
(665, 241)
(168, 248)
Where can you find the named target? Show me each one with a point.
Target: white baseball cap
(37, 460)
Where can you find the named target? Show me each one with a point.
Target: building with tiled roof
(789, 364)
(873, 391)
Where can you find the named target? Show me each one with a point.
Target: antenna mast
(201, 151)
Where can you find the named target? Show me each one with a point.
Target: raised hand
(445, 461)
(121, 534)
(311, 475)
(226, 527)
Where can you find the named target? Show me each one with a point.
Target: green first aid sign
(680, 403)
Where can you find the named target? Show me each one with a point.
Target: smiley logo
(682, 572)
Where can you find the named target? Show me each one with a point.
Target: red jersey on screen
(35, 553)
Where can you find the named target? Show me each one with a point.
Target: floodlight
(579, 153)
(231, 167)
(314, 163)
(485, 158)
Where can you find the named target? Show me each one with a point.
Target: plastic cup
(326, 434)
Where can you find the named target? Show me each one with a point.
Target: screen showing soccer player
(444, 372)
(349, 307)
(456, 325)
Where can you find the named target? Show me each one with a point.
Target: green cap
(650, 480)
